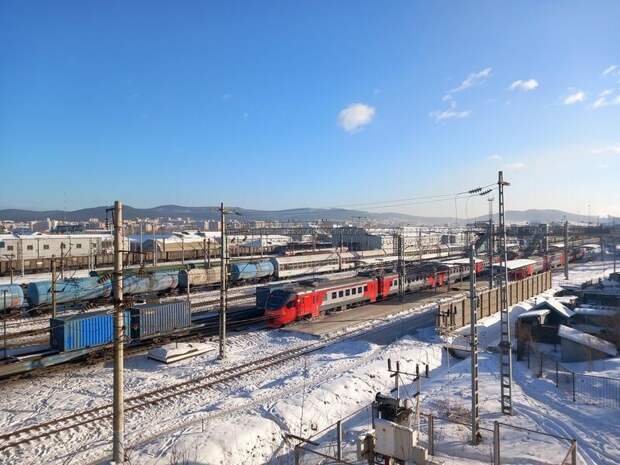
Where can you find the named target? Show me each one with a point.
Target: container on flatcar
(11, 296)
(248, 271)
(156, 281)
(82, 331)
(154, 320)
(68, 290)
(199, 277)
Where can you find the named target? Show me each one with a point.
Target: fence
(446, 438)
(454, 315)
(581, 388)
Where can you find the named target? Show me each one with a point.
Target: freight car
(251, 271)
(68, 290)
(146, 283)
(199, 277)
(88, 330)
(11, 297)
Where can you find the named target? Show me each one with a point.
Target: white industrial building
(415, 238)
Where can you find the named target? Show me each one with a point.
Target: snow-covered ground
(244, 421)
(256, 436)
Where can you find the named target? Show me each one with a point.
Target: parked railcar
(251, 271)
(145, 283)
(199, 277)
(149, 321)
(39, 293)
(82, 331)
(11, 297)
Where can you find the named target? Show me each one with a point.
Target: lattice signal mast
(505, 344)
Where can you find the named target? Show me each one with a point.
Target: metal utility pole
(566, 249)
(118, 425)
(154, 246)
(505, 344)
(400, 250)
(491, 244)
(4, 321)
(53, 286)
(473, 309)
(141, 249)
(223, 280)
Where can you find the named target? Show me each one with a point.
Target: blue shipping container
(248, 271)
(11, 296)
(149, 321)
(83, 330)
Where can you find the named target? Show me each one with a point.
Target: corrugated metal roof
(596, 312)
(556, 306)
(531, 313)
(587, 340)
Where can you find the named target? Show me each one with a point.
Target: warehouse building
(34, 251)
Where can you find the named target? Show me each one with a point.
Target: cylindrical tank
(150, 282)
(68, 290)
(242, 271)
(14, 296)
(199, 277)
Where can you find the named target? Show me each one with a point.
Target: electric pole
(223, 280)
(491, 245)
(566, 249)
(141, 249)
(473, 309)
(505, 344)
(118, 426)
(53, 286)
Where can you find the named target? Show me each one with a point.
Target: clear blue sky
(254, 103)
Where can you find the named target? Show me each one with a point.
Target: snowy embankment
(304, 403)
(309, 400)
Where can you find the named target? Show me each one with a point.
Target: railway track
(94, 417)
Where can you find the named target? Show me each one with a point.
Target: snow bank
(303, 407)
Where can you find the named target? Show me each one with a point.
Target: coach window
(29, 247)
(9, 247)
(353, 291)
(340, 293)
(78, 246)
(359, 290)
(347, 292)
(366, 288)
(333, 295)
(1, 244)
(46, 247)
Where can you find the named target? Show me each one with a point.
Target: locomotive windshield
(279, 298)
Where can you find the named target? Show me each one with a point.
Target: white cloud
(515, 166)
(449, 114)
(610, 149)
(577, 97)
(355, 116)
(473, 79)
(524, 86)
(603, 99)
(494, 157)
(613, 69)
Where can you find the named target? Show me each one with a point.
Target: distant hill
(540, 216)
(202, 213)
(296, 214)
